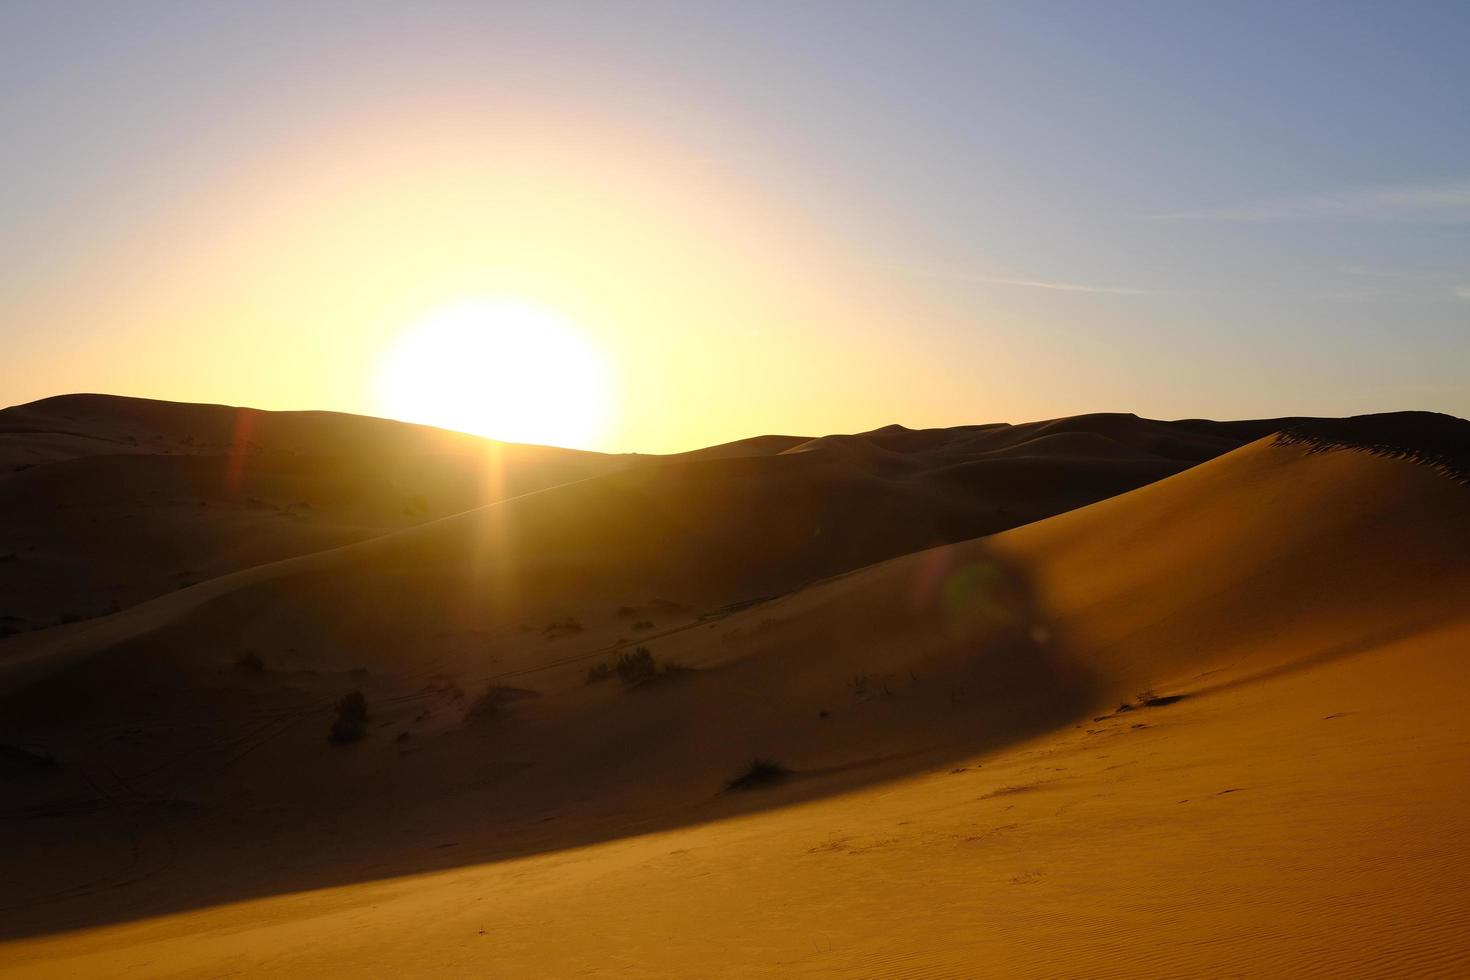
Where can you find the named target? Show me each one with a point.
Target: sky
(753, 217)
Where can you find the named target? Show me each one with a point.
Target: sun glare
(500, 368)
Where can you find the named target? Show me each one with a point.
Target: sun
(500, 368)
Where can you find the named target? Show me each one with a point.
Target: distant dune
(106, 501)
(1206, 688)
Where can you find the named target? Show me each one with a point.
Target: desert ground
(1098, 696)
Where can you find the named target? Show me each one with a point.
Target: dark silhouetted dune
(118, 500)
(108, 501)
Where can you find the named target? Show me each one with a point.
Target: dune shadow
(961, 660)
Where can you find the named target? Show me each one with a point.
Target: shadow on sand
(149, 811)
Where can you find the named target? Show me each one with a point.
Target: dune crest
(106, 502)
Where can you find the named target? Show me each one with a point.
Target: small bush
(250, 662)
(569, 625)
(351, 720)
(760, 772)
(643, 624)
(639, 665)
(489, 705)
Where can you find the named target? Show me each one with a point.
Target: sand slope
(1308, 825)
(967, 798)
(107, 501)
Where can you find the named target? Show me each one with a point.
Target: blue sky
(1179, 209)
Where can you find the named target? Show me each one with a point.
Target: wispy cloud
(1401, 275)
(1056, 286)
(1435, 203)
(1424, 283)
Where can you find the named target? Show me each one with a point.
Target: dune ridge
(117, 500)
(1427, 438)
(1043, 737)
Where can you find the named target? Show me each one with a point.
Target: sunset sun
(500, 368)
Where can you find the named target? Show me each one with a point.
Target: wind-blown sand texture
(1209, 726)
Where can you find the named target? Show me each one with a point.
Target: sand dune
(976, 786)
(69, 426)
(106, 502)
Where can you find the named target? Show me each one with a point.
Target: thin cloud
(1404, 275)
(1436, 203)
(1061, 287)
(1426, 283)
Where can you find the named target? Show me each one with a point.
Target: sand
(106, 502)
(967, 796)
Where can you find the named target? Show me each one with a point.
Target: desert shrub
(759, 772)
(351, 720)
(626, 612)
(69, 616)
(632, 668)
(643, 624)
(490, 704)
(562, 628)
(250, 662)
(639, 665)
